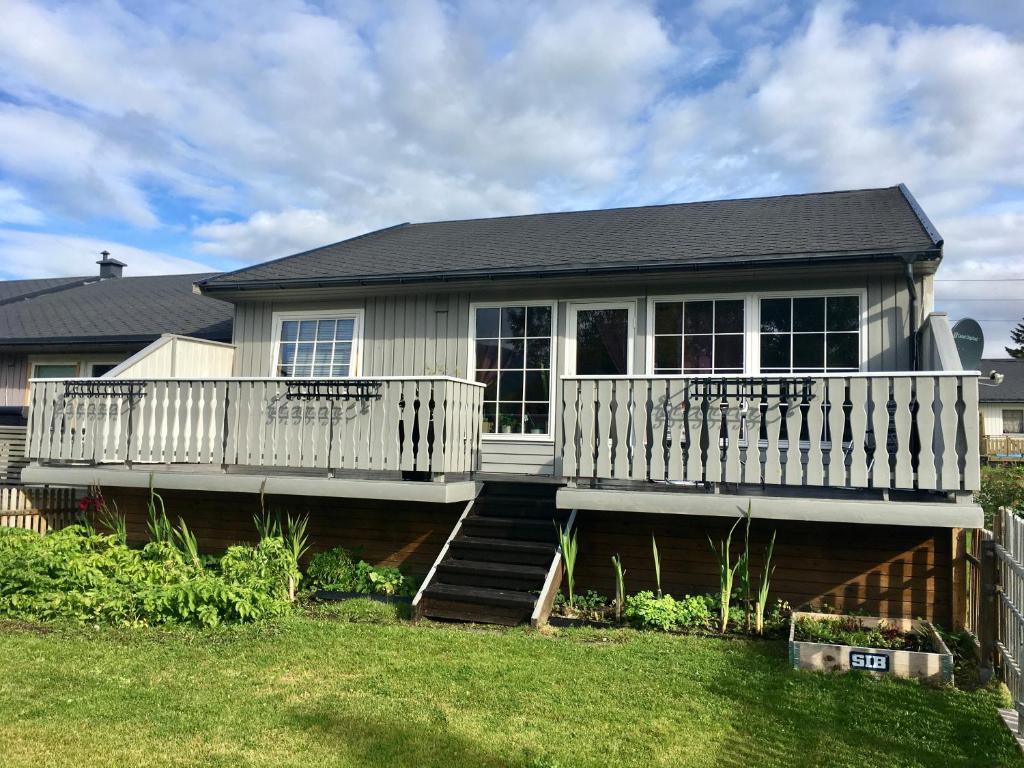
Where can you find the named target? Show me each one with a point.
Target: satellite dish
(970, 343)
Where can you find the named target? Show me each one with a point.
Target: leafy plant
(1001, 487)
(657, 565)
(157, 524)
(743, 568)
(726, 575)
(620, 586)
(268, 526)
(767, 571)
(296, 542)
(187, 544)
(567, 541)
(336, 570)
(110, 518)
(646, 611)
(851, 630)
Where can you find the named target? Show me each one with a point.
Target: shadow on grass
(380, 742)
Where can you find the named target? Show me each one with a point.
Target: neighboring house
(1002, 412)
(88, 326)
(434, 395)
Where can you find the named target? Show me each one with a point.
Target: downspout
(912, 289)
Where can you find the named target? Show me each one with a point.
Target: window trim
(572, 307)
(674, 297)
(549, 436)
(1002, 419)
(862, 326)
(278, 318)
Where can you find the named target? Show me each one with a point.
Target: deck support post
(987, 614)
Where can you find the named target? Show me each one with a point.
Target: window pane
(325, 330)
(346, 330)
(601, 342)
(343, 356)
(512, 353)
(99, 369)
(729, 352)
(843, 313)
(55, 371)
(538, 321)
(697, 353)
(809, 350)
(490, 378)
(775, 315)
(668, 317)
(513, 322)
(490, 420)
(699, 316)
(339, 369)
(289, 330)
(487, 323)
(668, 354)
(307, 330)
(537, 385)
(1013, 421)
(536, 418)
(287, 359)
(322, 360)
(510, 386)
(487, 354)
(304, 354)
(510, 418)
(729, 316)
(842, 351)
(809, 314)
(538, 353)
(775, 350)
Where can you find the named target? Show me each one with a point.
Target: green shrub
(1001, 487)
(76, 574)
(645, 611)
(336, 570)
(695, 613)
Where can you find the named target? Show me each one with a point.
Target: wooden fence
(38, 509)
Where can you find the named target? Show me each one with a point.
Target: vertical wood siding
(13, 380)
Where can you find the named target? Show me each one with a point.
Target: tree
(1017, 335)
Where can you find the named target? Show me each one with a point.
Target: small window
(512, 359)
(99, 369)
(317, 347)
(810, 334)
(1013, 421)
(55, 370)
(701, 336)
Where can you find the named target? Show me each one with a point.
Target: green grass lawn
(313, 691)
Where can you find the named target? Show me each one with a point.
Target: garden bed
(899, 647)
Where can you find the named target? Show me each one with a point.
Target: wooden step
(501, 550)
(535, 509)
(481, 595)
(519, 529)
(456, 610)
(476, 573)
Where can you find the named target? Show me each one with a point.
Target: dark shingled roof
(1012, 388)
(826, 225)
(17, 290)
(118, 309)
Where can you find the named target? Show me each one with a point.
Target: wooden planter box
(935, 667)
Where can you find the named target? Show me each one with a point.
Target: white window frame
(752, 324)
(1002, 418)
(573, 307)
(548, 436)
(278, 318)
(748, 344)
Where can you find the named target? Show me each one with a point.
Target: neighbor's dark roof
(837, 225)
(117, 309)
(1012, 388)
(17, 290)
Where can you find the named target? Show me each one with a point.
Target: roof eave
(930, 254)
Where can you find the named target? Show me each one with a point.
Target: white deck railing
(428, 424)
(892, 431)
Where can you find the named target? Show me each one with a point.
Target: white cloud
(15, 210)
(39, 254)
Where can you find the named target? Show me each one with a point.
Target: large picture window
(699, 336)
(512, 352)
(810, 334)
(1013, 421)
(311, 347)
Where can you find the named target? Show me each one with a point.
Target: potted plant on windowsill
(508, 425)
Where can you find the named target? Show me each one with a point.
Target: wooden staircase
(501, 559)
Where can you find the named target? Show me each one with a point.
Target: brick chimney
(109, 267)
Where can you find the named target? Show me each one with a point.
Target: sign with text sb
(872, 662)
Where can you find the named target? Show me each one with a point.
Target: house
(435, 395)
(1002, 412)
(89, 326)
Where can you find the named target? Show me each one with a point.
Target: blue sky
(192, 136)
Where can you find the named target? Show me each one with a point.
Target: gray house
(436, 394)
